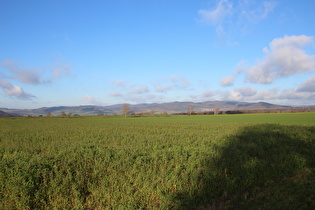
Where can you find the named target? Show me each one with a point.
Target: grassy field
(261, 161)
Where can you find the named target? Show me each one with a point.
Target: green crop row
(179, 162)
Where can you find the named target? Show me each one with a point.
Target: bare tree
(164, 113)
(125, 109)
(216, 111)
(63, 114)
(48, 114)
(190, 109)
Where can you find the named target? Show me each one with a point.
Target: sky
(104, 52)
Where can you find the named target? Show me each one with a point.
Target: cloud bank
(292, 96)
(285, 57)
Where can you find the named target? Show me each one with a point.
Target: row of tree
(62, 114)
(125, 110)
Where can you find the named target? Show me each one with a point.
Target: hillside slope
(172, 107)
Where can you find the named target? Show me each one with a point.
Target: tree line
(125, 110)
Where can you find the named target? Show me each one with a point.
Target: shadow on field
(263, 166)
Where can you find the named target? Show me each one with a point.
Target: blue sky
(77, 52)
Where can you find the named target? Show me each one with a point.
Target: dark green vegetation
(186, 162)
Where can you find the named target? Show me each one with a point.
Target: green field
(258, 161)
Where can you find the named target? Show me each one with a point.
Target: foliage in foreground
(78, 163)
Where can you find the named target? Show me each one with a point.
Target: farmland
(264, 161)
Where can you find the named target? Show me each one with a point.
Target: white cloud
(297, 41)
(295, 97)
(246, 91)
(216, 15)
(284, 58)
(307, 86)
(115, 94)
(180, 81)
(164, 88)
(91, 100)
(291, 96)
(14, 90)
(22, 74)
(119, 83)
(207, 94)
(254, 11)
(271, 94)
(172, 82)
(249, 94)
(32, 76)
(229, 19)
(141, 90)
(227, 81)
(28, 76)
(60, 70)
(143, 98)
(269, 6)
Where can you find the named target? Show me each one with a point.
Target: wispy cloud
(229, 17)
(27, 76)
(172, 82)
(253, 11)
(91, 100)
(14, 90)
(30, 76)
(208, 95)
(246, 91)
(61, 69)
(141, 93)
(140, 90)
(119, 83)
(127, 91)
(180, 81)
(164, 88)
(217, 14)
(35, 76)
(228, 81)
(115, 94)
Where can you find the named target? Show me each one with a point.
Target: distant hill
(56, 111)
(172, 107)
(5, 114)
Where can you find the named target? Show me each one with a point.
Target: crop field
(258, 161)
